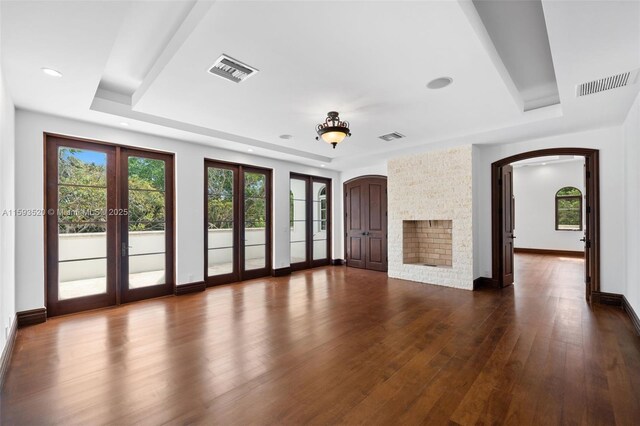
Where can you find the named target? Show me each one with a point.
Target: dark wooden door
(589, 211)
(508, 215)
(366, 223)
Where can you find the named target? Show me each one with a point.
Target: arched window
(569, 209)
(322, 196)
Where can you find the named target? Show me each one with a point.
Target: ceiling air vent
(607, 83)
(231, 69)
(391, 136)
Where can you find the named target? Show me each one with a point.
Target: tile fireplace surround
(427, 242)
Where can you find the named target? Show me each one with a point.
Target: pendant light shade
(333, 131)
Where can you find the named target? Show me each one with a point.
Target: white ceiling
(369, 60)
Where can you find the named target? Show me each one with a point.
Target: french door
(310, 221)
(146, 230)
(109, 224)
(365, 223)
(237, 222)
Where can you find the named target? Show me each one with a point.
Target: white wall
(7, 223)
(534, 188)
(189, 200)
(631, 135)
(612, 195)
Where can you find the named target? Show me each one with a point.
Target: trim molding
(484, 282)
(603, 298)
(632, 314)
(190, 288)
(620, 300)
(337, 262)
(566, 253)
(31, 317)
(281, 272)
(5, 360)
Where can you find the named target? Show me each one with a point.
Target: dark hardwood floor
(337, 345)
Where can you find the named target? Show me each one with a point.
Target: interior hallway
(337, 345)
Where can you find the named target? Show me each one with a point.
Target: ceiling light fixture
(125, 124)
(51, 72)
(333, 131)
(322, 165)
(250, 150)
(440, 83)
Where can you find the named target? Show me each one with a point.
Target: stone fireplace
(434, 185)
(427, 242)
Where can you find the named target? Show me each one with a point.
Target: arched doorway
(365, 222)
(502, 216)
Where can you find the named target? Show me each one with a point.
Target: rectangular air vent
(607, 83)
(391, 136)
(231, 69)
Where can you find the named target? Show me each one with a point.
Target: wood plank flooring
(337, 345)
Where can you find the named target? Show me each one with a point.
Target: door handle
(365, 233)
(513, 237)
(583, 239)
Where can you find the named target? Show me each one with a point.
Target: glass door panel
(82, 223)
(147, 206)
(255, 221)
(221, 223)
(320, 220)
(298, 220)
(146, 252)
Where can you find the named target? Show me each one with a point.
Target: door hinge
(587, 244)
(588, 279)
(588, 209)
(499, 181)
(588, 174)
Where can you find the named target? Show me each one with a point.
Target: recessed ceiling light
(286, 136)
(51, 72)
(322, 165)
(544, 164)
(250, 150)
(439, 83)
(124, 123)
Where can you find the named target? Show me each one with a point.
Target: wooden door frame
(344, 217)
(309, 180)
(238, 234)
(592, 194)
(53, 138)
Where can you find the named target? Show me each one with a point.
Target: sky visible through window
(97, 158)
